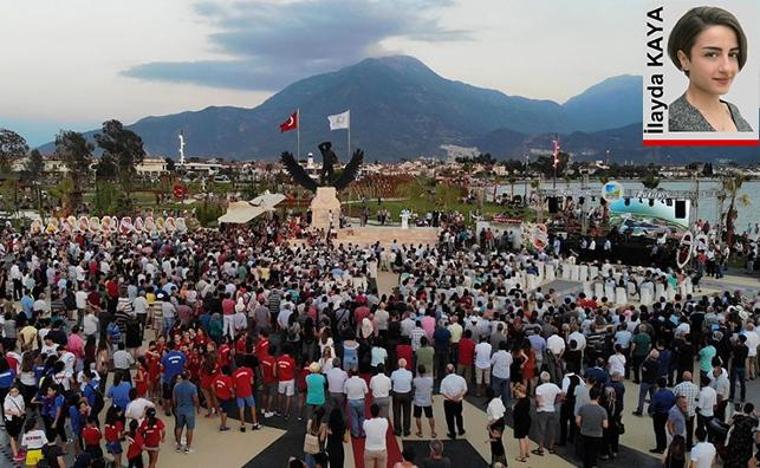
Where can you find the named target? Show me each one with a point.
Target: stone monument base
(325, 208)
(385, 235)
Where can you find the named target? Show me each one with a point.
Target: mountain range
(400, 108)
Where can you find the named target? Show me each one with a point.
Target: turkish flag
(290, 124)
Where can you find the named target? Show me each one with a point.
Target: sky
(73, 64)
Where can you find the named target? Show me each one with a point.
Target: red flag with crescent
(290, 124)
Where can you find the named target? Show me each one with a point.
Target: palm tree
(731, 186)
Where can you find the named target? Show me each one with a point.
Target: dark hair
(374, 410)
(690, 25)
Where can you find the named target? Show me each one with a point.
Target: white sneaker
(188, 450)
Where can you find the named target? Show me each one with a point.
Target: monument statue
(327, 177)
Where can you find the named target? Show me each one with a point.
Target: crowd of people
(105, 338)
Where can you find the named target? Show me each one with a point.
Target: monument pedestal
(325, 208)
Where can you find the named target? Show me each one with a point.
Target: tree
(35, 166)
(125, 147)
(650, 181)
(170, 165)
(76, 153)
(106, 168)
(12, 147)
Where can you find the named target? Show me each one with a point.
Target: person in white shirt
(355, 388)
(423, 400)
(402, 399)
(375, 450)
(136, 407)
(380, 385)
(708, 398)
(753, 341)
(616, 362)
(90, 324)
(482, 365)
(14, 410)
(140, 307)
(453, 389)
(703, 454)
(556, 346)
(546, 416)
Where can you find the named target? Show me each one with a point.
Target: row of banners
(111, 224)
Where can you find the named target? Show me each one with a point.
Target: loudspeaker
(680, 209)
(553, 205)
(581, 200)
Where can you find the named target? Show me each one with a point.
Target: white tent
(268, 200)
(240, 212)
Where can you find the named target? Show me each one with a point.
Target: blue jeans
(501, 388)
(168, 324)
(356, 411)
(740, 374)
(645, 388)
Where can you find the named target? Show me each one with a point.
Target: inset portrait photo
(701, 78)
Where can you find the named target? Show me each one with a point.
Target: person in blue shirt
(119, 392)
(52, 412)
(76, 418)
(7, 376)
(598, 373)
(662, 401)
(26, 304)
(172, 364)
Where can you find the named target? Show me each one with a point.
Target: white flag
(340, 121)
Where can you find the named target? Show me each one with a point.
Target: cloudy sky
(75, 63)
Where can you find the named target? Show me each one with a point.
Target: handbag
(311, 444)
(621, 428)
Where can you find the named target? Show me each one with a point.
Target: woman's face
(714, 60)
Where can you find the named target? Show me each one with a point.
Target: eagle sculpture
(327, 178)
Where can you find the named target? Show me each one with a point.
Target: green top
(643, 344)
(425, 357)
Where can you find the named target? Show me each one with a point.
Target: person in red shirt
(466, 355)
(113, 429)
(225, 353)
(404, 350)
(153, 364)
(268, 366)
(262, 345)
(286, 385)
(134, 445)
(91, 436)
(361, 312)
(153, 432)
(243, 379)
(241, 344)
(224, 391)
(228, 310)
(208, 371)
(142, 377)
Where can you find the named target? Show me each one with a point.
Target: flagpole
(349, 137)
(298, 131)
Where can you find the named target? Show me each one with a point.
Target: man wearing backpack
(93, 395)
